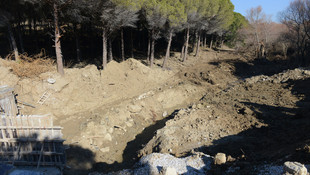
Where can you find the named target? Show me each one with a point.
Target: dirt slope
(102, 111)
(255, 120)
(217, 102)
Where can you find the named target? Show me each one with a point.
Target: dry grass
(30, 66)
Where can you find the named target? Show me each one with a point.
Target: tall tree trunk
(205, 41)
(77, 44)
(78, 49)
(183, 46)
(36, 34)
(104, 49)
(202, 40)
(93, 45)
(211, 42)
(30, 27)
(149, 48)
(21, 42)
(131, 43)
(110, 50)
(222, 43)
(60, 67)
(186, 45)
(198, 44)
(10, 43)
(168, 49)
(256, 36)
(152, 48)
(284, 49)
(182, 51)
(122, 45)
(13, 42)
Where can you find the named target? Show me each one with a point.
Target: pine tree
(175, 18)
(155, 13)
(56, 7)
(8, 15)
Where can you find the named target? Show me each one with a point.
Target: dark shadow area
(130, 154)
(29, 147)
(285, 137)
(79, 160)
(30, 151)
(262, 66)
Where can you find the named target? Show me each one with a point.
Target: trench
(130, 154)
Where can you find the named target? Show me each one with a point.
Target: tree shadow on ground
(285, 137)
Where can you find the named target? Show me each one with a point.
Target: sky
(270, 7)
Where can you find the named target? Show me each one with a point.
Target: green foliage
(123, 13)
(133, 5)
(225, 13)
(239, 22)
(175, 12)
(155, 12)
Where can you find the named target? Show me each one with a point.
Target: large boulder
(295, 168)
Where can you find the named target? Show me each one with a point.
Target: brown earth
(218, 102)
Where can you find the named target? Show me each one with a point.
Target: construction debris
(28, 140)
(31, 141)
(7, 101)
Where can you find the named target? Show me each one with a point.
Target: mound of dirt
(250, 120)
(112, 117)
(296, 74)
(6, 77)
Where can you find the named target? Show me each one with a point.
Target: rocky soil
(253, 111)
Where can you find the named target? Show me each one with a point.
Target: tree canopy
(111, 20)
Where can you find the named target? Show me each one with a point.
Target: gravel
(191, 165)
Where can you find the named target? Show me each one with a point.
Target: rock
(129, 124)
(219, 159)
(181, 112)
(134, 108)
(230, 159)
(104, 150)
(295, 168)
(165, 114)
(199, 106)
(97, 141)
(108, 137)
(168, 171)
(188, 165)
(153, 171)
(248, 111)
(111, 130)
(60, 84)
(51, 80)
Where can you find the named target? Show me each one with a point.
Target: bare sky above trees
(270, 7)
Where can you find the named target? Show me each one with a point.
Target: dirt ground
(252, 110)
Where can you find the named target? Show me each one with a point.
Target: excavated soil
(252, 110)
